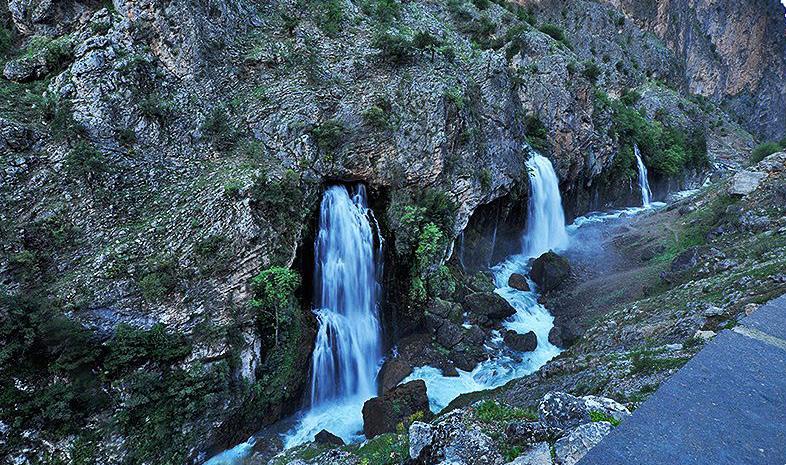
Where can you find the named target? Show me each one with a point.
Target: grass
(596, 416)
(647, 361)
(490, 411)
(385, 449)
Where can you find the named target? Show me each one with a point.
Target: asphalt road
(726, 406)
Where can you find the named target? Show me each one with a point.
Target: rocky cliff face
(158, 156)
(731, 52)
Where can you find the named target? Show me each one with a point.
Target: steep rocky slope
(163, 163)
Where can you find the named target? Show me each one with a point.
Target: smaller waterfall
(546, 221)
(644, 184)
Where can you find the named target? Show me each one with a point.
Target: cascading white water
(545, 231)
(348, 347)
(546, 218)
(644, 184)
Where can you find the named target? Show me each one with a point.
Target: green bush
(216, 127)
(556, 33)
(591, 71)
(596, 416)
(328, 135)
(491, 411)
(159, 280)
(537, 135)
(274, 300)
(424, 40)
(764, 150)
(6, 40)
(384, 11)
(481, 4)
(85, 161)
(376, 117)
(630, 97)
(393, 46)
(330, 16)
(131, 347)
(455, 95)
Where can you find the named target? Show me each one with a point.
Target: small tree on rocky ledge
(274, 297)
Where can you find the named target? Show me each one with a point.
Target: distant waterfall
(644, 184)
(348, 347)
(545, 216)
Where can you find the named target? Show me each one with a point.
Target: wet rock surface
(549, 271)
(382, 414)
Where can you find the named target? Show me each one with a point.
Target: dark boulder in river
(549, 271)
(382, 414)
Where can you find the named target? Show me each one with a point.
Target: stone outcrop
(382, 414)
(549, 271)
(487, 308)
(526, 342)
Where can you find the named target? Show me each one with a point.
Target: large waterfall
(644, 184)
(348, 347)
(545, 216)
(545, 231)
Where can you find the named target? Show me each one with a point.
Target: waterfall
(545, 231)
(348, 346)
(644, 184)
(546, 218)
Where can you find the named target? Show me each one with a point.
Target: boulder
(420, 436)
(686, 260)
(744, 182)
(521, 342)
(526, 433)
(555, 336)
(562, 410)
(326, 438)
(518, 282)
(538, 454)
(454, 440)
(487, 307)
(549, 271)
(445, 309)
(571, 448)
(393, 371)
(382, 414)
(449, 334)
(466, 356)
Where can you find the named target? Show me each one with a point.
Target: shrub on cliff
(328, 135)
(765, 149)
(85, 161)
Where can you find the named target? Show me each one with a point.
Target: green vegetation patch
(491, 411)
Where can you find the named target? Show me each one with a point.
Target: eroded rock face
(382, 414)
(739, 59)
